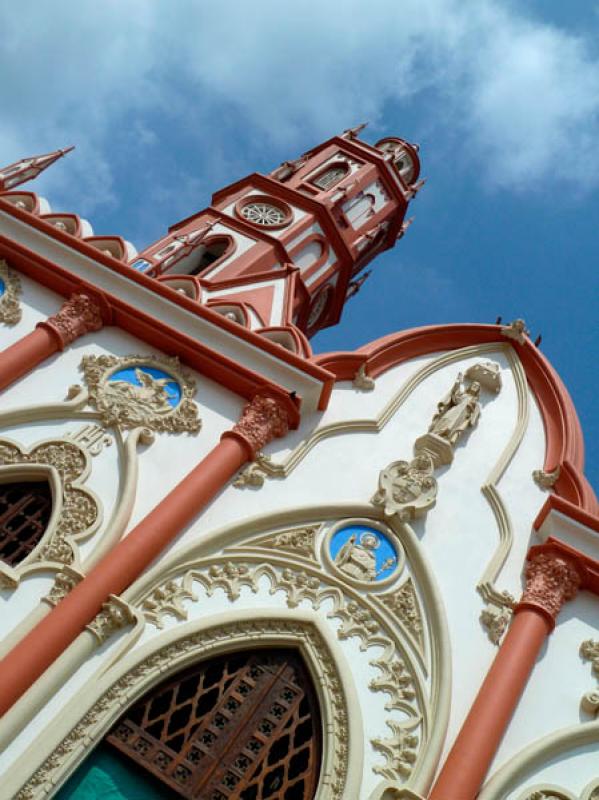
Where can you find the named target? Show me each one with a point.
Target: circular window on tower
(264, 211)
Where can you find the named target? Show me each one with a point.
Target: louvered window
(242, 726)
(25, 509)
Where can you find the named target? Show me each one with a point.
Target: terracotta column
(551, 579)
(262, 420)
(79, 315)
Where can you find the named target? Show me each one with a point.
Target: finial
(355, 286)
(28, 168)
(352, 133)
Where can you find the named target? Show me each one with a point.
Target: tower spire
(28, 168)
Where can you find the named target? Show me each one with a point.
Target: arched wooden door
(244, 726)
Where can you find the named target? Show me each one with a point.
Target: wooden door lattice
(243, 726)
(25, 509)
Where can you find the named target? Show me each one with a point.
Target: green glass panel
(106, 775)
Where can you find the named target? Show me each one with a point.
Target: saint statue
(358, 560)
(457, 411)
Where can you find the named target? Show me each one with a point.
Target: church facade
(232, 568)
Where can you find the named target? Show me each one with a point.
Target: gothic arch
(106, 697)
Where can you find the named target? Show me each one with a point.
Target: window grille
(25, 509)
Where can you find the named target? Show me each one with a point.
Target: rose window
(262, 213)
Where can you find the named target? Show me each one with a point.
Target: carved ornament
(152, 391)
(115, 614)
(295, 541)
(551, 580)
(262, 420)
(516, 330)
(495, 620)
(363, 381)
(80, 511)
(552, 792)
(358, 619)
(92, 724)
(93, 438)
(10, 292)
(64, 582)
(78, 316)
(400, 751)
(407, 489)
(589, 650)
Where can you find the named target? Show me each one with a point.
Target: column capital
(552, 578)
(80, 314)
(262, 420)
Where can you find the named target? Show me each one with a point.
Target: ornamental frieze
(151, 391)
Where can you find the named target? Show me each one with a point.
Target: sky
(167, 102)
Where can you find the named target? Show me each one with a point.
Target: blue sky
(167, 102)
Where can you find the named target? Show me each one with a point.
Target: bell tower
(281, 253)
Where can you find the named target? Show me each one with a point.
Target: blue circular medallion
(363, 553)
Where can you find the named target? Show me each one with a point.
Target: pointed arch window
(25, 510)
(331, 175)
(243, 725)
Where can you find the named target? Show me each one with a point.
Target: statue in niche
(358, 558)
(457, 411)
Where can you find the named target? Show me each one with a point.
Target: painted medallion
(363, 553)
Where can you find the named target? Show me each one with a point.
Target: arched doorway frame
(179, 648)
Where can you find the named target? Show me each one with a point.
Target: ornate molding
(589, 651)
(10, 292)
(264, 467)
(546, 480)
(551, 792)
(115, 614)
(400, 751)
(551, 580)
(296, 542)
(403, 603)
(64, 583)
(79, 315)
(80, 512)
(407, 489)
(262, 420)
(358, 618)
(92, 725)
(154, 392)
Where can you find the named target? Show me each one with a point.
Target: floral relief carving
(516, 330)
(550, 792)
(551, 580)
(404, 605)
(150, 391)
(262, 420)
(80, 513)
(64, 582)
(89, 729)
(168, 599)
(115, 614)
(589, 650)
(357, 619)
(10, 292)
(79, 315)
(296, 541)
(400, 751)
(495, 619)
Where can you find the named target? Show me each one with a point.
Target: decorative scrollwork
(151, 391)
(80, 512)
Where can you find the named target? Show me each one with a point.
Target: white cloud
(521, 96)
